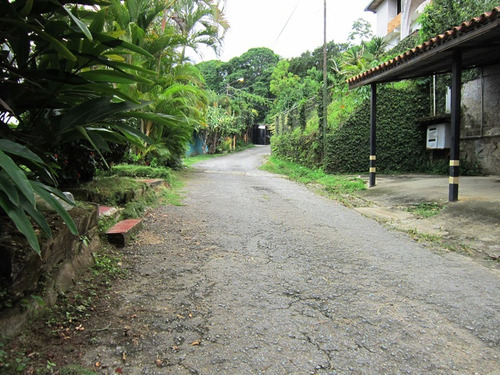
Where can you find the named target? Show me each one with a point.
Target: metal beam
(456, 84)
(373, 135)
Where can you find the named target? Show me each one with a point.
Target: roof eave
(374, 4)
(402, 65)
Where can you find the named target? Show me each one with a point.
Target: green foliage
(130, 170)
(359, 58)
(255, 66)
(344, 103)
(400, 143)
(425, 210)
(442, 15)
(361, 30)
(199, 22)
(407, 43)
(112, 190)
(291, 91)
(333, 184)
(297, 147)
(308, 60)
(13, 362)
(105, 264)
(239, 97)
(57, 87)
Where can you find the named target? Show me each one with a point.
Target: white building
(396, 19)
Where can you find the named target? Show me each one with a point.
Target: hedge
(400, 142)
(298, 148)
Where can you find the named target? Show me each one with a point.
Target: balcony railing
(393, 24)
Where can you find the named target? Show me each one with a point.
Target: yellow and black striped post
(373, 135)
(456, 83)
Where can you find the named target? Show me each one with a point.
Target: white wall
(411, 10)
(385, 13)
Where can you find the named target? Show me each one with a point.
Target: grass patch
(189, 161)
(335, 185)
(425, 237)
(425, 210)
(172, 196)
(108, 264)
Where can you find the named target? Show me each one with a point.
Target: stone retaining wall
(63, 259)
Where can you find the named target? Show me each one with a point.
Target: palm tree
(58, 85)
(200, 22)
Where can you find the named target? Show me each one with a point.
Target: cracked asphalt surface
(256, 274)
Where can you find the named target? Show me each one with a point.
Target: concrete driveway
(472, 224)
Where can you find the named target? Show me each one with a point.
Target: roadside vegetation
(426, 210)
(338, 187)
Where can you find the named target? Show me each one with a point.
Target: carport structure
(472, 44)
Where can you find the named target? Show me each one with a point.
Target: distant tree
(302, 64)
(255, 66)
(361, 30)
(442, 15)
(200, 22)
(293, 93)
(210, 71)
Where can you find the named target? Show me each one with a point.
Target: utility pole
(325, 95)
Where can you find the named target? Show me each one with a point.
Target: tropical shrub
(59, 71)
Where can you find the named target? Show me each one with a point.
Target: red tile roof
(438, 40)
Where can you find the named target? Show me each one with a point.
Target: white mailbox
(438, 136)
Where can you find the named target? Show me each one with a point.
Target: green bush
(130, 170)
(400, 142)
(297, 147)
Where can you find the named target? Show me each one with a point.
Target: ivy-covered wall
(400, 141)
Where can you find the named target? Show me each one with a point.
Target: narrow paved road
(257, 275)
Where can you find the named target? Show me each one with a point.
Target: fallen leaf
(175, 348)
(159, 363)
(98, 364)
(195, 343)
(190, 315)
(118, 370)
(80, 328)
(124, 356)
(180, 316)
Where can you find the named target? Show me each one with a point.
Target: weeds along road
(255, 274)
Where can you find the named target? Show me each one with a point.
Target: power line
(286, 23)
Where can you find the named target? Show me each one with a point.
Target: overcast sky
(258, 23)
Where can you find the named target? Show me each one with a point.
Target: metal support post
(373, 135)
